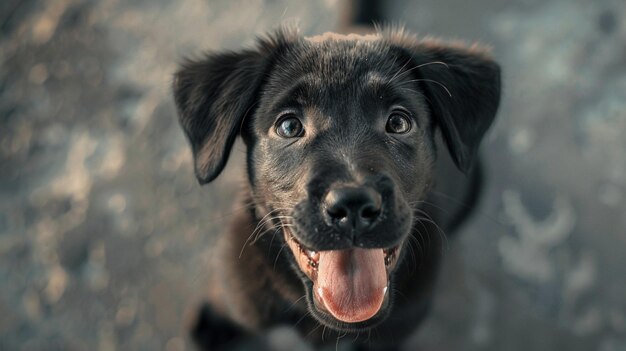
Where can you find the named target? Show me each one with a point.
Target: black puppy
(341, 158)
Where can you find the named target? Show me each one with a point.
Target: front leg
(213, 332)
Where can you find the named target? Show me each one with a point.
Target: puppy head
(339, 132)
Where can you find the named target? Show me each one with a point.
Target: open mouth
(350, 285)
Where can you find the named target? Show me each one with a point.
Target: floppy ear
(462, 86)
(214, 94)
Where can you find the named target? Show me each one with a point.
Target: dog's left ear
(214, 94)
(462, 86)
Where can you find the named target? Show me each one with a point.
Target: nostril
(371, 208)
(337, 212)
(370, 212)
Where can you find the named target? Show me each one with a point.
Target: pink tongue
(351, 284)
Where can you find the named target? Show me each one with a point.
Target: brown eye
(289, 127)
(398, 123)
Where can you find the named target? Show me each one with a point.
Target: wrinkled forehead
(313, 90)
(315, 70)
(338, 61)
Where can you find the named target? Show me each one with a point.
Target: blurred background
(104, 231)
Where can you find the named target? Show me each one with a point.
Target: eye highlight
(398, 122)
(289, 127)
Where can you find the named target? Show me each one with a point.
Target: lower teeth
(390, 255)
(388, 260)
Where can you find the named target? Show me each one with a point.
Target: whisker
(295, 302)
(269, 248)
(307, 313)
(413, 258)
(356, 337)
(430, 81)
(262, 222)
(420, 66)
(397, 291)
(441, 232)
(419, 246)
(314, 329)
(400, 70)
(278, 255)
(432, 63)
(395, 59)
(259, 224)
(419, 220)
(339, 337)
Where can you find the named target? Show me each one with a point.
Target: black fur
(343, 88)
(223, 334)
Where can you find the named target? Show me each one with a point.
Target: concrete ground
(104, 231)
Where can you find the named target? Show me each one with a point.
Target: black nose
(353, 207)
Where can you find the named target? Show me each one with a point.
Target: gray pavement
(104, 231)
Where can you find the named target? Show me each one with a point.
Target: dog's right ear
(214, 94)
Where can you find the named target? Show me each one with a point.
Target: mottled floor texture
(104, 231)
